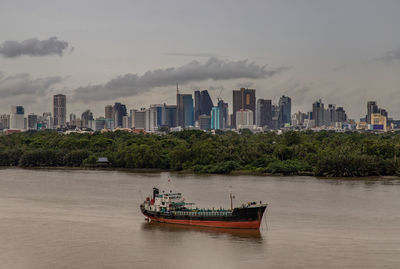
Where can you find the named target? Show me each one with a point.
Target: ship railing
(202, 213)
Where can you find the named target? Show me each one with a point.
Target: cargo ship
(172, 208)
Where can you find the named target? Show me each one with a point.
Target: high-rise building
(72, 117)
(119, 111)
(60, 110)
(371, 108)
(160, 114)
(139, 118)
(184, 110)
(225, 114)
(87, 117)
(32, 121)
(5, 121)
(285, 110)
(244, 118)
(202, 104)
(100, 124)
(243, 99)
(330, 115)
(340, 115)
(17, 121)
(170, 116)
(217, 120)
(108, 112)
(318, 112)
(205, 122)
(298, 119)
(264, 113)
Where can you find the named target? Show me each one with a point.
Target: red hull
(219, 224)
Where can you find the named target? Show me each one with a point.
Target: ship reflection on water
(238, 234)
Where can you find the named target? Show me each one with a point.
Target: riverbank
(322, 154)
(236, 173)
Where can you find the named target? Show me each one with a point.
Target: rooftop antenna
(177, 88)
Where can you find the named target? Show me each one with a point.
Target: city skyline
(134, 52)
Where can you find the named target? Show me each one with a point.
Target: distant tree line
(291, 153)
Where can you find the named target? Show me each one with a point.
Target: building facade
(243, 99)
(60, 110)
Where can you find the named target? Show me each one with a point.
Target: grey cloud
(214, 69)
(23, 84)
(247, 84)
(390, 56)
(33, 47)
(207, 55)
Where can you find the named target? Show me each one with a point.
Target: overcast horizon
(134, 52)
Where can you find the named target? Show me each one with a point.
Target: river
(91, 219)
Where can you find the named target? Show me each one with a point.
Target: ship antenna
(231, 201)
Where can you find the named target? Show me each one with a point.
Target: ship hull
(248, 218)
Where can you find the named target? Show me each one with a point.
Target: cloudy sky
(98, 52)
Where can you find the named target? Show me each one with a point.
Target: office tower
(32, 121)
(340, 115)
(285, 108)
(224, 111)
(378, 122)
(5, 121)
(160, 113)
(318, 113)
(139, 118)
(60, 110)
(371, 108)
(202, 104)
(108, 112)
(184, 110)
(170, 116)
(119, 111)
(276, 113)
(87, 117)
(151, 119)
(100, 124)
(264, 113)
(17, 118)
(72, 117)
(216, 118)
(298, 119)
(243, 99)
(244, 118)
(330, 115)
(205, 122)
(125, 122)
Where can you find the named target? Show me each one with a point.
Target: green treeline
(305, 153)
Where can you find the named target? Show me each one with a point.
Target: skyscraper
(371, 108)
(285, 110)
(108, 112)
(318, 113)
(224, 112)
(184, 110)
(60, 110)
(202, 104)
(86, 117)
(17, 121)
(216, 118)
(243, 99)
(119, 111)
(264, 113)
(170, 116)
(32, 121)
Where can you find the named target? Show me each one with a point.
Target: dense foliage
(321, 154)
